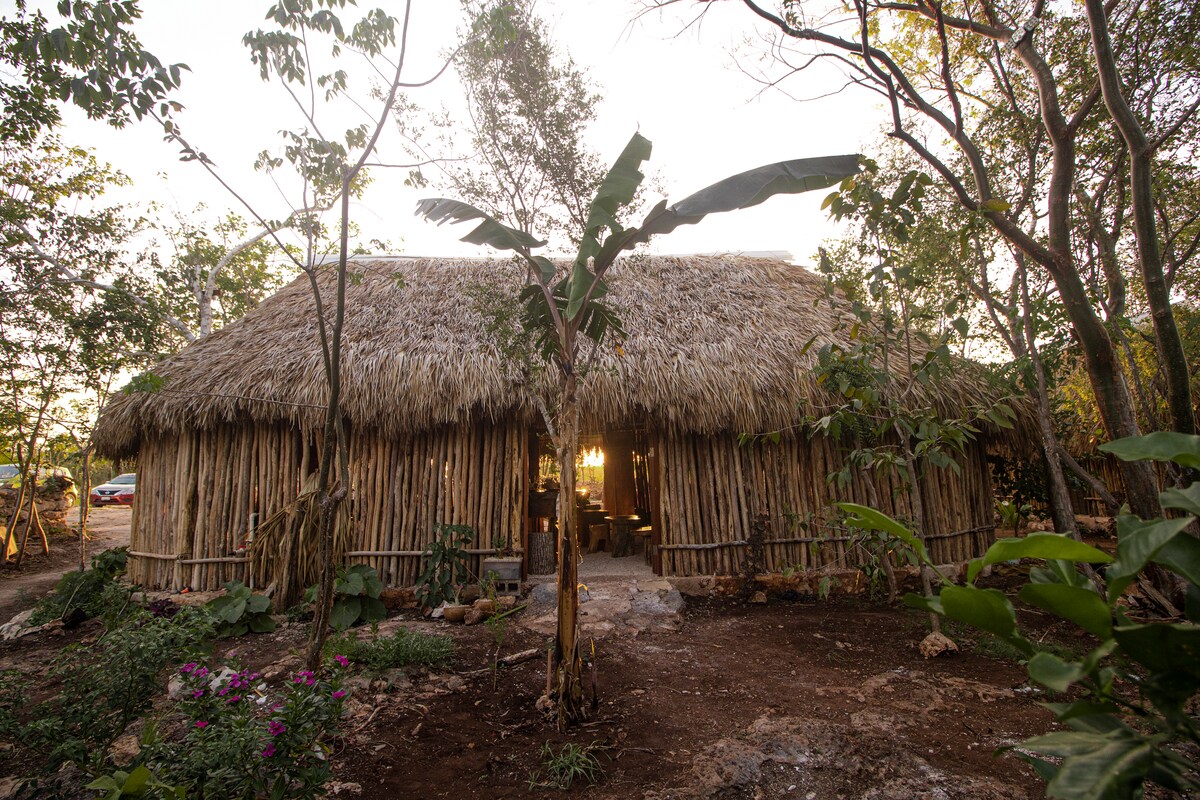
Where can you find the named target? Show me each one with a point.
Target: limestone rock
(759, 598)
(936, 644)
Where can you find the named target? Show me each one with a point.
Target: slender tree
(564, 309)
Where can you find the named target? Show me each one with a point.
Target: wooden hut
(443, 424)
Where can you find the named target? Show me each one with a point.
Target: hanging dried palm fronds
(284, 550)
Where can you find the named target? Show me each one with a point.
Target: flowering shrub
(100, 688)
(242, 739)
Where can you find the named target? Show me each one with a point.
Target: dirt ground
(108, 526)
(793, 699)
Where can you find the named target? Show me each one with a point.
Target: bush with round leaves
(239, 611)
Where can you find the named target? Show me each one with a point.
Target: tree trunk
(568, 667)
(1170, 346)
(1061, 511)
(85, 505)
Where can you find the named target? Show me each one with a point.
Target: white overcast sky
(679, 88)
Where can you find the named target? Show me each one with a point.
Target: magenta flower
(224, 691)
(198, 694)
(200, 673)
(268, 751)
(276, 727)
(187, 668)
(342, 660)
(201, 724)
(339, 694)
(234, 699)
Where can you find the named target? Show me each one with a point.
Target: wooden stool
(598, 535)
(642, 536)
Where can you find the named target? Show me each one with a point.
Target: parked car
(117, 492)
(10, 478)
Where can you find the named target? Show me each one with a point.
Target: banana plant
(560, 310)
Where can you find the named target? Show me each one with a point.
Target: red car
(117, 492)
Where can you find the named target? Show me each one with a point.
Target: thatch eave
(716, 343)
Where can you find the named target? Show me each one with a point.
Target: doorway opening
(617, 499)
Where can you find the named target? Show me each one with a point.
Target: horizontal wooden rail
(415, 553)
(153, 556)
(808, 540)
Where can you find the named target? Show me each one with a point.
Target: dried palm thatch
(284, 549)
(715, 343)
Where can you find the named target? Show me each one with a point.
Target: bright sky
(679, 88)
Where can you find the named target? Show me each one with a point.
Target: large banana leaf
(490, 231)
(616, 191)
(744, 190)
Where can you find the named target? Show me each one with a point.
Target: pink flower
(339, 694)
(201, 724)
(268, 751)
(198, 694)
(187, 668)
(234, 699)
(342, 660)
(200, 673)
(275, 727)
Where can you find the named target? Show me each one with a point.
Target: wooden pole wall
(199, 492)
(710, 488)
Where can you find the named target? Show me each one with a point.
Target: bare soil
(20, 588)
(791, 699)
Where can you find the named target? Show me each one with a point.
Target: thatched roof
(715, 343)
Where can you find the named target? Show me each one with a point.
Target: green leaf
(1045, 546)
(352, 584)
(748, 189)
(373, 609)
(1054, 673)
(618, 187)
(234, 610)
(1181, 555)
(931, 604)
(1095, 766)
(490, 231)
(258, 603)
(345, 613)
(1137, 543)
(1183, 449)
(1184, 499)
(986, 609)
(1079, 605)
(869, 519)
(546, 268)
(578, 286)
(1162, 647)
(262, 623)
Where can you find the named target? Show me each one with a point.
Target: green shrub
(239, 610)
(102, 687)
(446, 571)
(90, 593)
(1133, 718)
(402, 649)
(356, 591)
